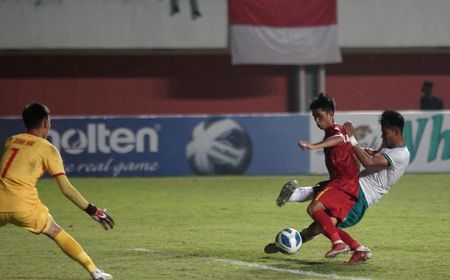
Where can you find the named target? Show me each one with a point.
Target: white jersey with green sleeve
(376, 182)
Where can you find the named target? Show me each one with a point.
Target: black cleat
(271, 248)
(286, 192)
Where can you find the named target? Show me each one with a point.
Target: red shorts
(337, 202)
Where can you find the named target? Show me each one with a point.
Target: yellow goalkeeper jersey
(24, 159)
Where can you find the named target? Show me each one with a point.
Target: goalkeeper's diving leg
(73, 249)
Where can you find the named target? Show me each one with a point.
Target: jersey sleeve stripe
(388, 159)
(339, 135)
(58, 174)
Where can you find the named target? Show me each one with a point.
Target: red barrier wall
(206, 84)
(92, 85)
(379, 82)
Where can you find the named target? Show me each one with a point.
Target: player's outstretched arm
(78, 199)
(329, 142)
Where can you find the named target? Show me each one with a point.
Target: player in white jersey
(383, 168)
(377, 182)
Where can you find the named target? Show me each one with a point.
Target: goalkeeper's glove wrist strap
(91, 209)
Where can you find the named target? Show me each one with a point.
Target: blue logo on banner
(219, 146)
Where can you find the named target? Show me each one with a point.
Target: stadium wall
(207, 84)
(130, 85)
(137, 24)
(387, 81)
(225, 144)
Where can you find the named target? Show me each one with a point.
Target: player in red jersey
(332, 203)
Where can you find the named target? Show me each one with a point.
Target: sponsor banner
(170, 146)
(427, 136)
(229, 144)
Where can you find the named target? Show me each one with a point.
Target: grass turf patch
(195, 227)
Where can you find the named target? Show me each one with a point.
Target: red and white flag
(284, 31)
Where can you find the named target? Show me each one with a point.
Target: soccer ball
(288, 241)
(219, 146)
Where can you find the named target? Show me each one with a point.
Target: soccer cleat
(338, 248)
(271, 248)
(286, 192)
(101, 275)
(360, 256)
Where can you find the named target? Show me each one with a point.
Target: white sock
(302, 194)
(361, 248)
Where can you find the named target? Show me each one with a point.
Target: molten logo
(98, 138)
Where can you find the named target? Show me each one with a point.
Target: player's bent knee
(52, 228)
(313, 207)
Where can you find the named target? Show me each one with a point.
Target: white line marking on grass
(292, 271)
(143, 250)
(257, 266)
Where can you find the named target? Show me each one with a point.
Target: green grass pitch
(216, 228)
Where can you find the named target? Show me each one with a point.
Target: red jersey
(341, 164)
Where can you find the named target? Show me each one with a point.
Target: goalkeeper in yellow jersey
(24, 159)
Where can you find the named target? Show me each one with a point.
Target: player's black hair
(392, 119)
(323, 102)
(34, 114)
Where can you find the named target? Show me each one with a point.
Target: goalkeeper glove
(100, 216)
